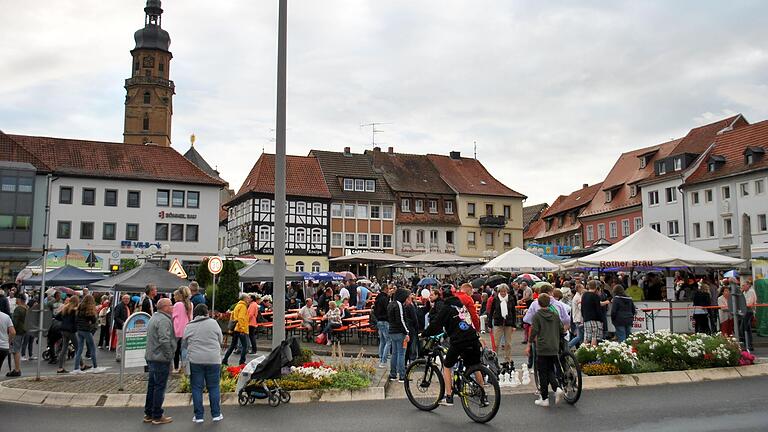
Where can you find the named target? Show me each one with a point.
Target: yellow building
(491, 214)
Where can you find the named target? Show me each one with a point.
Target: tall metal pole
(278, 300)
(49, 179)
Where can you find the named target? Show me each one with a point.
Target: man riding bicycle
(455, 318)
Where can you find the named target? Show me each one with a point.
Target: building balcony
(162, 82)
(493, 221)
(449, 248)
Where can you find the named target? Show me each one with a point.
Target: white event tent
(519, 261)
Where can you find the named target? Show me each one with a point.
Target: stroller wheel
(242, 398)
(285, 397)
(46, 355)
(274, 399)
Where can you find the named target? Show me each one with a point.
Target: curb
(85, 400)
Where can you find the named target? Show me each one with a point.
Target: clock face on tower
(149, 62)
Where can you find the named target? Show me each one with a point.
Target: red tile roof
(534, 230)
(469, 176)
(409, 172)
(303, 177)
(335, 166)
(112, 160)
(12, 151)
(576, 199)
(731, 146)
(627, 171)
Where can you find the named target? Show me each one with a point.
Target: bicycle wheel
(571, 379)
(480, 400)
(424, 385)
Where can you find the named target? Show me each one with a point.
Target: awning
(519, 261)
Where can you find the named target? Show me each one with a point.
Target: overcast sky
(552, 92)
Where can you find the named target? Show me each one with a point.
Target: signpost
(177, 269)
(215, 264)
(134, 344)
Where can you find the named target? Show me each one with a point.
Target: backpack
(465, 319)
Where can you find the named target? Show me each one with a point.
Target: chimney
(347, 151)
(390, 150)
(377, 149)
(455, 155)
(584, 186)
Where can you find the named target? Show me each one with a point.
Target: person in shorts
(592, 313)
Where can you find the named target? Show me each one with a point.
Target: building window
(65, 195)
(64, 229)
(749, 158)
(471, 238)
(696, 230)
(317, 209)
(406, 236)
(489, 210)
(433, 206)
(360, 185)
(387, 241)
(161, 232)
(708, 195)
(336, 239)
(349, 240)
(507, 212)
(449, 237)
(349, 184)
(419, 206)
(86, 230)
(678, 162)
(625, 227)
(656, 226)
(759, 187)
(134, 199)
(335, 210)
(662, 167)
(489, 239)
(710, 229)
(694, 198)
(349, 211)
(673, 228)
(145, 122)
(147, 97)
(653, 198)
(375, 240)
(613, 229)
(315, 266)
(161, 67)
(387, 212)
(711, 167)
(375, 211)
(370, 185)
(761, 223)
(317, 237)
(264, 233)
(177, 232)
(131, 231)
(433, 237)
(193, 199)
(507, 240)
(590, 233)
(89, 196)
(136, 66)
(110, 197)
(362, 211)
(109, 231)
(471, 209)
(301, 235)
(671, 195)
(163, 197)
(632, 191)
(177, 199)
(638, 223)
(265, 206)
(299, 266)
(726, 192)
(449, 207)
(744, 189)
(643, 161)
(8, 184)
(601, 231)
(301, 208)
(405, 205)
(727, 227)
(419, 237)
(608, 196)
(192, 232)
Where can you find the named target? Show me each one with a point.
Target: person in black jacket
(465, 342)
(701, 297)
(85, 322)
(412, 321)
(622, 313)
(68, 317)
(503, 317)
(121, 314)
(148, 302)
(398, 333)
(382, 324)
(592, 314)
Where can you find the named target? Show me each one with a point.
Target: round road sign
(215, 265)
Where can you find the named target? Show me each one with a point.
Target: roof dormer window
(678, 163)
(643, 162)
(753, 154)
(608, 196)
(661, 168)
(715, 162)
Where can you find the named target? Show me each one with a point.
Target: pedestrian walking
(202, 340)
(85, 324)
(622, 313)
(197, 296)
(382, 323)
(182, 314)
(503, 319)
(240, 330)
(398, 333)
(7, 334)
(253, 320)
(105, 315)
(68, 317)
(161, 344)
(546, 331)
(19, 324)
(148, 299)
(701, 299)
(592, 313)
(122, 312)
(577, 318)
(726, 314)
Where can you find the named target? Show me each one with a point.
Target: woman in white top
(576, 317)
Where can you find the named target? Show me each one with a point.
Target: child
(547, 332)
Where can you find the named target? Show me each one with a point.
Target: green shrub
(349, 380)
(305, 357)
(598, 368)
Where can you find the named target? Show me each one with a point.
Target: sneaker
(401, 380)
(117, 360)
(541, 402)
(33, 358)
(13, 373)
(559, 395)
(484, 401)
(381, 365)
(197, 420)
(218, 418)
(147, 419)
(98, 370)
(447, 400)
(85, 368)
(23, 358)
(77, 372)
(162, 420)
(62, 371)
(328, 343)
(393, 378)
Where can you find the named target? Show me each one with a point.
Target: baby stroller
(260, 384)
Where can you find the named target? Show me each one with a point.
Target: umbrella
(477, 283)
(495, 280)
(540, 284)
(137, 279)
(527, 277)
(347, 275)
(428, 281)
(326, 276)
(67, 275)
(65, 290)
(363, 281)
(264, 271)
(731, 274)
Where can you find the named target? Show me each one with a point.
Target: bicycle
(568, 374)
(480, 401)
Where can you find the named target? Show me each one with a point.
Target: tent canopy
(368, 257)
(519, 261)
(263, 271)
(137, 279)
(647, 248)
(67, 275)
(437, 257)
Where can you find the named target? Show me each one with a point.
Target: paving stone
(753, 370)
(713, 374)
(11, 394)
(59, 399)
(370, 393)
(658, 378)
(608, 381)
(85, 399)
(135, 400)
(33, 397)
(334, 395)
(179, 399)
(117, 400)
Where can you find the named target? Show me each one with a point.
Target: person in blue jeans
(382, 325)
(202, 341)
(398, 334)
(85, 322)
(622, 313)
(161, 346)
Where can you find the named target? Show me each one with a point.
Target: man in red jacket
(464, 293)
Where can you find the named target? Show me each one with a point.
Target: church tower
(149, 98)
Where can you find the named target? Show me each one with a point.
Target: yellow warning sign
(177, 269)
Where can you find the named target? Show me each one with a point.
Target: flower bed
(661, 351)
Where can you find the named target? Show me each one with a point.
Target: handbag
(231, 326)
(320, 339)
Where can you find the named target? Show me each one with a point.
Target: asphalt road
(737, 405)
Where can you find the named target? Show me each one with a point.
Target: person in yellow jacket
(240, 333)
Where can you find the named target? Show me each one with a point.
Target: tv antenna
(475, 142)
(374, 131)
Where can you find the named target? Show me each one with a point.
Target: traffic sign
(114, 257)
(215, 265)
(177, 269)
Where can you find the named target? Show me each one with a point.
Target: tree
(203, 276)
(227, 286)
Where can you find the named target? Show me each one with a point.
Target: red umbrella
(528, 277)
(347, 275)
(65, 290)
